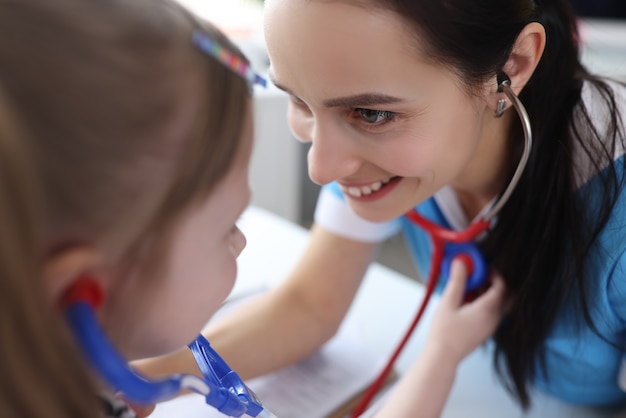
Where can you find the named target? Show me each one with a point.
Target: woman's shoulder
(604, 98)
(599, 123)
(335, 215)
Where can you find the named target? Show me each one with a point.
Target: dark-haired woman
(401, 104)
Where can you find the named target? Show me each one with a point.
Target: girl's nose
(237, 242)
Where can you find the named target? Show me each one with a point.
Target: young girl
(120, 197)
(403, 106)
(141, 142)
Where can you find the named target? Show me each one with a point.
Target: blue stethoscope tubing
(221, 386)
(448, 244)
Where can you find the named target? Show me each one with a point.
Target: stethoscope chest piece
(470, 255)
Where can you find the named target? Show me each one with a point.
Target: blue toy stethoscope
(448, 244)
(221, 386)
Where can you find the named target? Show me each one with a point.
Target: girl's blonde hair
(128, 125)
(129, 119)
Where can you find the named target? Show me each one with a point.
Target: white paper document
(320, 384)
(312, 388)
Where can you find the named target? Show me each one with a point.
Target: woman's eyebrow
(364, 99)
(357, 100)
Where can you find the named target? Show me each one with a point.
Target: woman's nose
(332, 155)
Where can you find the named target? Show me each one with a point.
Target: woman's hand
(459, 327)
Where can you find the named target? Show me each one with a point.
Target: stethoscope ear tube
(504, 86)
(222, 388)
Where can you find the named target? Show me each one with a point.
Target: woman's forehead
(336, 41)
(335, 18)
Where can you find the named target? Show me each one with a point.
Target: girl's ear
(62, 268)
(522, 62)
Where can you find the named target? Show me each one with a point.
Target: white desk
(384, 306)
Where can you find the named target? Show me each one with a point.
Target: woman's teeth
(365, 190)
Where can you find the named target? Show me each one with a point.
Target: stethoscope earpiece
(85, 289)
(502, 79)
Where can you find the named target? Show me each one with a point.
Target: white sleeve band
(336, 216)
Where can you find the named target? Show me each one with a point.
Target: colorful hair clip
(226, 57)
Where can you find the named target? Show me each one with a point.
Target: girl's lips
(372, 191)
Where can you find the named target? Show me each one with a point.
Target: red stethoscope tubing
(438, 236)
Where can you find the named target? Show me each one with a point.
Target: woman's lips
(371, 191)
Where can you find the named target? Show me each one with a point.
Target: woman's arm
(295, 319)
(289, 322)
(456, 330)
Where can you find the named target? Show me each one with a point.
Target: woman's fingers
(493, 299)
(492, 304)
(496, 294)
(455, 287)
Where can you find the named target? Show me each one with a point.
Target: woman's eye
(374, 116)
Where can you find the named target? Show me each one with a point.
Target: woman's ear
(522, 62)
(64, 267)
(525, 56)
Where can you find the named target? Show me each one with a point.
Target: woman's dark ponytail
(543, 237)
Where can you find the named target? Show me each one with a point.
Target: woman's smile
(370, 191)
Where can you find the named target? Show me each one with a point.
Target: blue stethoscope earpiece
(221, 387)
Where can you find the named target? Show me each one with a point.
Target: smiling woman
(354, 109)
(400, 104)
